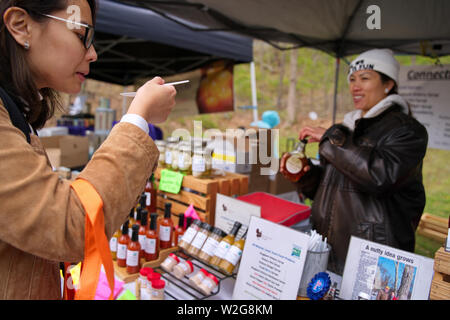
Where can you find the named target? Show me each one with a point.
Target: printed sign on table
(272, 262)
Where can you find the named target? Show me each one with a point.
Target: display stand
(440, 287)
(181, 289)
(201, 193)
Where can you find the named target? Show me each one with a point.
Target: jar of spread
(184, 158)
(198, 277)
(170, 262)
(158, 289)
(182, 269)
(208, 284)
(161, 145)
(199, 164)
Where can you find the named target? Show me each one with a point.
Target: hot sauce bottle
(113, 244)
(179, 230)
(151, 242)
(165, 228)
(143, 233)
(150, 193)
(297, 161)
(133, 249)
(122, 245)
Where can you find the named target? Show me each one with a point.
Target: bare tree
(406, 282)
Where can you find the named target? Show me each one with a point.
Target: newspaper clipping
(377, 272)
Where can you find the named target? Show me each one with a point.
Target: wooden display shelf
(201, 193)
(433, 227)
(123, 275)
(440, 286)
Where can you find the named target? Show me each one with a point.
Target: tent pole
(336, 83)
(253, 84)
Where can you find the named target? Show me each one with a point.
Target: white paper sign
(229, 210)
(377, 272)
(427, 89)
(272, 262)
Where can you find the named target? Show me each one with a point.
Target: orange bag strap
(96, 247)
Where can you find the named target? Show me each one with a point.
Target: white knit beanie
(381, 60)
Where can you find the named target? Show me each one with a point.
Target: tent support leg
(254, 97)
(336, 83)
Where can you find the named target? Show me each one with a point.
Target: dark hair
(385, 79)
(15, 74)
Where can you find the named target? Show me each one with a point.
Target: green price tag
(170, 181)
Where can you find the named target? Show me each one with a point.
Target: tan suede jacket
(41, 218)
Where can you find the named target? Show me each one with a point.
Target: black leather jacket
(368, 183)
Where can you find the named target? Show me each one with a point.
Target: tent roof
(337, 27)
(134, 43)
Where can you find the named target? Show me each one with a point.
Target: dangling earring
(386, 90)
(26, 45)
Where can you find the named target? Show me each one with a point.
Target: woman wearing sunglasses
(45, 50)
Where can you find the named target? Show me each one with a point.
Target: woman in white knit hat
(369, 181)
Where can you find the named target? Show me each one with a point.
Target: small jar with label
(189, 235)
(171, 144)
(199, 239)
(184, 159)
(207, 250)
(198, 277)
(171, 261)
(199, 163)
(150, 278)
(158, 289)
(182, 269)
(208, 284)
(161, 145)
(143, 274)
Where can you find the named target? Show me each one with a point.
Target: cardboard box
(237, 150)
(67, 151)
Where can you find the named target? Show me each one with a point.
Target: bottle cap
(207, 227)
(167, 209)
(218, 231)
(213, 277)
(189, 263)
(144, 217)
(197, 222)
(174, 257)
(125, 227)
(153, 221)
(158, 284)
(237, 225)
(145, 271)
(204, 271)
(153, 276)
(188, 222)
(319, 286)
(135, 234)
(181, 220)
(143, 200)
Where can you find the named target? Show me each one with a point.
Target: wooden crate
(123, 275)
(433, 227)
(201, 193)
(440, 286)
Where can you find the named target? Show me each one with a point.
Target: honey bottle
(297, 161)
(231, 259)
(225, 245)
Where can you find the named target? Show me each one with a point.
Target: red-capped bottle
(122, 245)
(166, 228)
(152, 240)
(133, 249)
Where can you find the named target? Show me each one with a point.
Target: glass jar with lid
(161, 144)
(171, 145)
(184, 158)
(199, 164)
